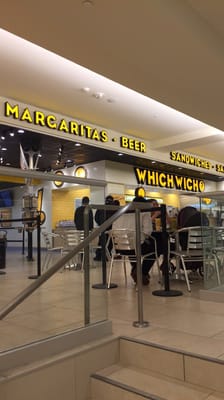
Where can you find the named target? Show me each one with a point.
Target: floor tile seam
(175, 331)
(173, 305)
(185, 331)
(21, 326)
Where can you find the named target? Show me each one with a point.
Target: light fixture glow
(85, 89)
(87, 3)
(20, 131)
(98, 95)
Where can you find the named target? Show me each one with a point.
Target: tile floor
(183, 322)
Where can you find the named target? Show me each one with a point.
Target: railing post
(140, 323)
(86, 268)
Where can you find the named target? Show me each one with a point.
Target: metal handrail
(59, 264)
(137, 207)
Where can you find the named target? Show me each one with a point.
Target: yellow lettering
(131, 144)
(201, 186)
(124, 142)
(39, 118)
(162, 180)
(189, 184)
(63, 126)
(26, 116)
(140, 175)
(14, 111)
(173, 155)
(103, 136)
(95, 135)
(142, 147)
(169, 181)
(179, 180)
(81, 130)
(51, 122)
(88, 131)
(151, 178)
(195, 186)
(73, 127)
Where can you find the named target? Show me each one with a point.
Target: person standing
(100, 217)
(79, 215)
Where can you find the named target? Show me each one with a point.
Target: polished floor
(183, 322)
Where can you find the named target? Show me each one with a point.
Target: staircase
(149, 371)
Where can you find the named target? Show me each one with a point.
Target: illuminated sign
(70, 127)
(195, 161)
(169, 181)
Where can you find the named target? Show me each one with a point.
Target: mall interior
(102, 98)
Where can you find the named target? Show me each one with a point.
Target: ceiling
(168, 51)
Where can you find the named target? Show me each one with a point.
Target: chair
(50, 250)
(124, 250)
(194, 245)
(72, 238)
(218, 247)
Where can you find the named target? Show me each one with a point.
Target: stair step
(147, 370)
(128, 383)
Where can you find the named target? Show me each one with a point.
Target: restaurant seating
(124, 251)
(72, 238)
(51, 251)
(194, 250)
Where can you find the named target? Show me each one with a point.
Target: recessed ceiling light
(87, 3)
(20, 131)
(153, 162)
(98, 95)
(120, 154)
(77, 144)
(4, 148)
(85, 89)
(3, 137)
(12, 134)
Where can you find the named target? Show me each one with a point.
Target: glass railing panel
(68, 300)
(98, 280)
(213, 249)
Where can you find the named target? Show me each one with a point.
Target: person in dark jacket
(79, 215)
(100, 217)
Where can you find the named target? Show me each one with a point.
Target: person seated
(127, 221)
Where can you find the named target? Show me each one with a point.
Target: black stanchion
(38, 251)
(167, 292)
